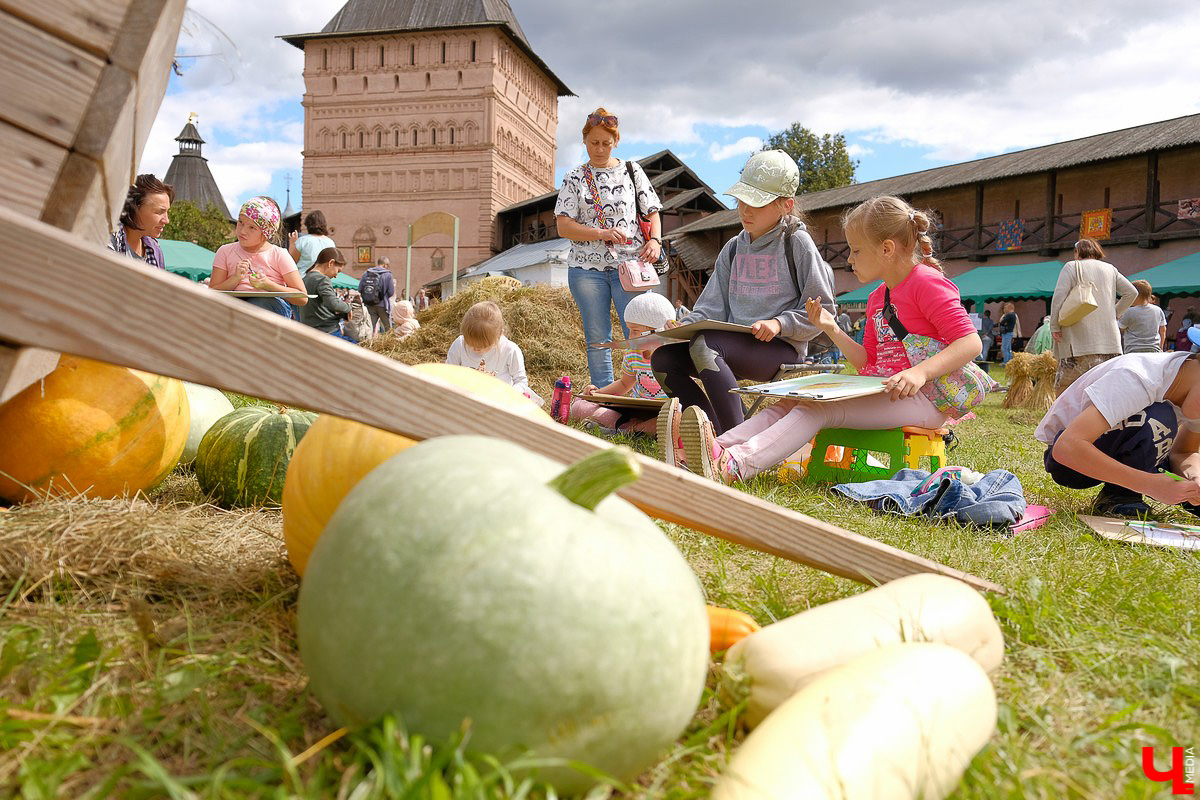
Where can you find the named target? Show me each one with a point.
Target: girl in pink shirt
(888, 240)
(253, 263)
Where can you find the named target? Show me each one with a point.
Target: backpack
(370, 287)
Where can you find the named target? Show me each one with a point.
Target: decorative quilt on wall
(1010, 234)
(1096, 224)
(1189, 208)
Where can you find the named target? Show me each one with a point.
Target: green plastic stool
(903, 447)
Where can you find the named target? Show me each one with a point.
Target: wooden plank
(92, 25)
(78, 203)
(21, 367)
(28, 169)
(146, 49)
(67, 303)
(48, 83)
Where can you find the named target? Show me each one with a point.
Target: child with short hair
(483, 346)
(888, 240)
(762, 278)
(253, 262)
(645, 313)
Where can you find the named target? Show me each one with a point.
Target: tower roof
(368, 17)
(189, 175)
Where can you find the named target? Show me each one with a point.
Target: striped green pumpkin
(243, 459)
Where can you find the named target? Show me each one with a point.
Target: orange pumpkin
(337, 453)
(91, 428)
(727, 627)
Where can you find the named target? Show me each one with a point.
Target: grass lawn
(147, 649)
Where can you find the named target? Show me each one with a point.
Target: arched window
(426, 80)
(381, 55)
(452, 136)
(379, 138)
(343, 140)
(396, 138)
(324, 58)
(433, 136)
(443, 52)
(412, 55)
(472, 51)
(362, 139)
(396, 85)
(335, 85)
(414, 137)
(351, 58)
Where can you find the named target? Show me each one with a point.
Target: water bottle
(560, 401)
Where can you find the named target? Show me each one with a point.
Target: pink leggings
(609, 417)
(778, 431)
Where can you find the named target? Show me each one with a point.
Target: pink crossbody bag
(636, 275)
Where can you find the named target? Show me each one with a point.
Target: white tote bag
(1080, 302)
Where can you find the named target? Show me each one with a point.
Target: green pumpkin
(207, 405)
(243, 459)
(467, 578)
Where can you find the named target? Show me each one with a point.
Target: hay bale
(544, 322)
(1019, 384)
(1042, 372)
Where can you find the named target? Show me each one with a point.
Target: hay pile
(110, 547)
(1042, 372)
(544, 323)
(1020, 386)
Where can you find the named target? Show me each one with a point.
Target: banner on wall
(1010, 234)
(1096, 224)
(1189, 208)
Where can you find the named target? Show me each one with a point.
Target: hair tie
(912, 215)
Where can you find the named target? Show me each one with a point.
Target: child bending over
(483, 346)
(645, 313)
(888, 240)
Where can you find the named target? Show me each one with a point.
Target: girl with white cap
(762, 278)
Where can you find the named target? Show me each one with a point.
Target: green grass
(133, 691)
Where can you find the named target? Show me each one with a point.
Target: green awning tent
(989, 284)
(344, 281)
(1178, 277)
(187, 259)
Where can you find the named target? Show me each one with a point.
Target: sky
(911, 86)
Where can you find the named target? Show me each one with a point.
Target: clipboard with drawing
(681, 333)
(1152, 532)
(818, 387)
(623, 401)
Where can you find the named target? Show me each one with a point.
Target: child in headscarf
(255, 264)
(405, 321)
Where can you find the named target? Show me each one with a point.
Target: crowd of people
(1127, 413)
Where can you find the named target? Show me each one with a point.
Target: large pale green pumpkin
(454, 584)
(207, 405)
(242, 461)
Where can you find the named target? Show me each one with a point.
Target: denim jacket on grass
(997, 499)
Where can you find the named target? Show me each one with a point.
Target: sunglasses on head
(607, 120)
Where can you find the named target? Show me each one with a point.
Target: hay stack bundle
(1042, 371)
(543, 321)
(1019, 384)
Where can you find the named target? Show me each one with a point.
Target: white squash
(207, 406)
(769, 666)
(899, 723)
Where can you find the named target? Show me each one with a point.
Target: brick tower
(412, 107)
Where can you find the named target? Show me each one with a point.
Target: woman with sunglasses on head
(597, 211)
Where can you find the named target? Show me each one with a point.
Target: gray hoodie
(758, 286)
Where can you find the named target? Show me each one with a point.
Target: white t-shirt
(1118, 389)
(620, 211)
(504, 360)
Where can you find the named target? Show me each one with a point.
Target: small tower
(189, 174)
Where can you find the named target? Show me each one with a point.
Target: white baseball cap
(768, 175)
(650, 309)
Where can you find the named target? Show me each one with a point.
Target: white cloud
(957, 81)
(742, 148)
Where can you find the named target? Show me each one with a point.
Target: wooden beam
(21, 367)
(60, 293)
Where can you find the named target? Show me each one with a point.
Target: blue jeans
(596, 292)
(997, 499)
(1005, 347)
(275, 305)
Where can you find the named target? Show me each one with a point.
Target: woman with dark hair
(143, 217)
(1095, 338)
(305, 248)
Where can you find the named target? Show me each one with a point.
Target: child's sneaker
(670, 446)
(704, 456)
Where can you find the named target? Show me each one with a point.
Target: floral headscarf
(264, 213)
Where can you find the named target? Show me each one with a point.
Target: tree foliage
(823, 160)
(208, 228)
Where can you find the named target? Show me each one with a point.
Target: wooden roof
(1179, 132)
(190, 176)
(370, 17)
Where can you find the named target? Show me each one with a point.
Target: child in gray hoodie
(756, 282)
